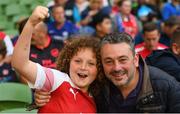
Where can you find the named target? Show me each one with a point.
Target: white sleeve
(9, 45)
(49, 79)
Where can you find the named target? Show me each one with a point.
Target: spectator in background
(171, 9)
(168, 27)
(55, 3)
(61, 28)
(6, 72)
(129, 21)
(88, 14)
(74, 9)
(102, 24)
(94, 7)
(44, 50)
(9, 46)
(151, 36)
(115, 7)
(149, 8)
(168, 59)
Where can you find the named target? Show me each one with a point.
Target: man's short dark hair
(118, 37)
(150, 26)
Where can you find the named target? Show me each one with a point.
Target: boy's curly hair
(71, 48)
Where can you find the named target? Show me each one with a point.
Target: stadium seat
(26, 2)
(12, 9)
(19, 110)
(5, 2)
(3, 25)
(11, 32)
(14, 95)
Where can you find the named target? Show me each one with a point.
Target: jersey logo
(74, 93)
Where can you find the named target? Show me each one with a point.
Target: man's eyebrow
(119, 57)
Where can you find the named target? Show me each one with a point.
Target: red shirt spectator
(144, 52)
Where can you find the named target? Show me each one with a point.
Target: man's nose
(117, 66)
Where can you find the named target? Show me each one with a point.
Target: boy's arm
(20, 58)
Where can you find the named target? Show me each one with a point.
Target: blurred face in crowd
(60, 2)
(105, 27)
(39, 33)
(169, 29)
(80, 1)
(151, 39)
(119, 63)
(83, 68)
(95, 4)
(125, 8)
(58, 14)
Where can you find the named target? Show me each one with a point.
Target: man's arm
(41, 97)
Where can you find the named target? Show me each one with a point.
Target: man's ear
(136, 60)
(174, 48)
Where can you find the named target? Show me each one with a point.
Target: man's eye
(108, 62)
(123, 60)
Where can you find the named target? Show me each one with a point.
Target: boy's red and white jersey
(65, 97)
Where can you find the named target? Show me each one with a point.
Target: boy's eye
(77, 61)
(91, 63)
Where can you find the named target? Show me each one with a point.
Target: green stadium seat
(19, 110)
(11, 32)
(19, 17)
(3, 25)
(13, 9)
(14, 95)
(5, 2)
(26, 2)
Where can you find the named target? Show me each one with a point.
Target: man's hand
(38, 15)
(41, 97)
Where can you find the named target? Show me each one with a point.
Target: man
(60, 28)
(169, 59)
(44, 49)
(131, 85)
(151, 37)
